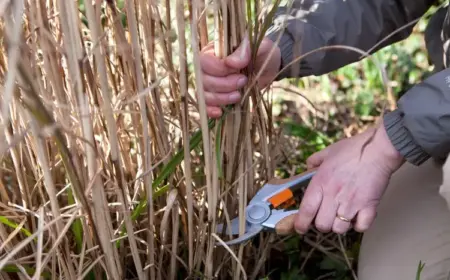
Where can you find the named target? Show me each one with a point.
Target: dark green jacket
(420, 127)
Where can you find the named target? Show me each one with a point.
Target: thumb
(316, 159)
(240, 57)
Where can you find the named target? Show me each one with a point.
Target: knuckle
(208, 83)
(310, 161)
(312, 158)
(354, 195)
(314, 155)
(373, 203)
(209, 97)
(320, 178)
(308, 209)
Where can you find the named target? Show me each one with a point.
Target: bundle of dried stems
(103, 144)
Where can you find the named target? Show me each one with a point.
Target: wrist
(390, 155)
(402, 139)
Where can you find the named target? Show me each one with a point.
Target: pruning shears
(267, 210)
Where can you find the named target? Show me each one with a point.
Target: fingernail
(241, 82)
(234, 97)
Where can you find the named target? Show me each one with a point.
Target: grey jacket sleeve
(420, 127)
(310, 24)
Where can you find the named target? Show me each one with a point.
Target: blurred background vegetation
(308, 114)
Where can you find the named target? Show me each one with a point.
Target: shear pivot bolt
(257, 213)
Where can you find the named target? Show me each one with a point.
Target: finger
(316, 159)
(224, 84)
(266, 46)
(286, 225)
(309, 206)
(326, 214)
(341, 226)
(214, 112)
(365, 219)
(221, 99)
(213, 65)
(240, 57)
(266, 52)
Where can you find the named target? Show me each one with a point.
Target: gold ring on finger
(343, 219)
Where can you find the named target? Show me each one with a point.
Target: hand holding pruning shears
(343, 191)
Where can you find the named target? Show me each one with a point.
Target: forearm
(311, 24)
(420, 127)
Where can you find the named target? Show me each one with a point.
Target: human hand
(222, 80)
(346, 185)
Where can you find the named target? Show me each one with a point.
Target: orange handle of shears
(295, 185)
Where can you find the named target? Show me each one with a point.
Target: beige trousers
(412, 225)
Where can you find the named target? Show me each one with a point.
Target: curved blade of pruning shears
(250, 232)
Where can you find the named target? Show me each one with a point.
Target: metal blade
(234, 227)
(252, 231)
(277, 215)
